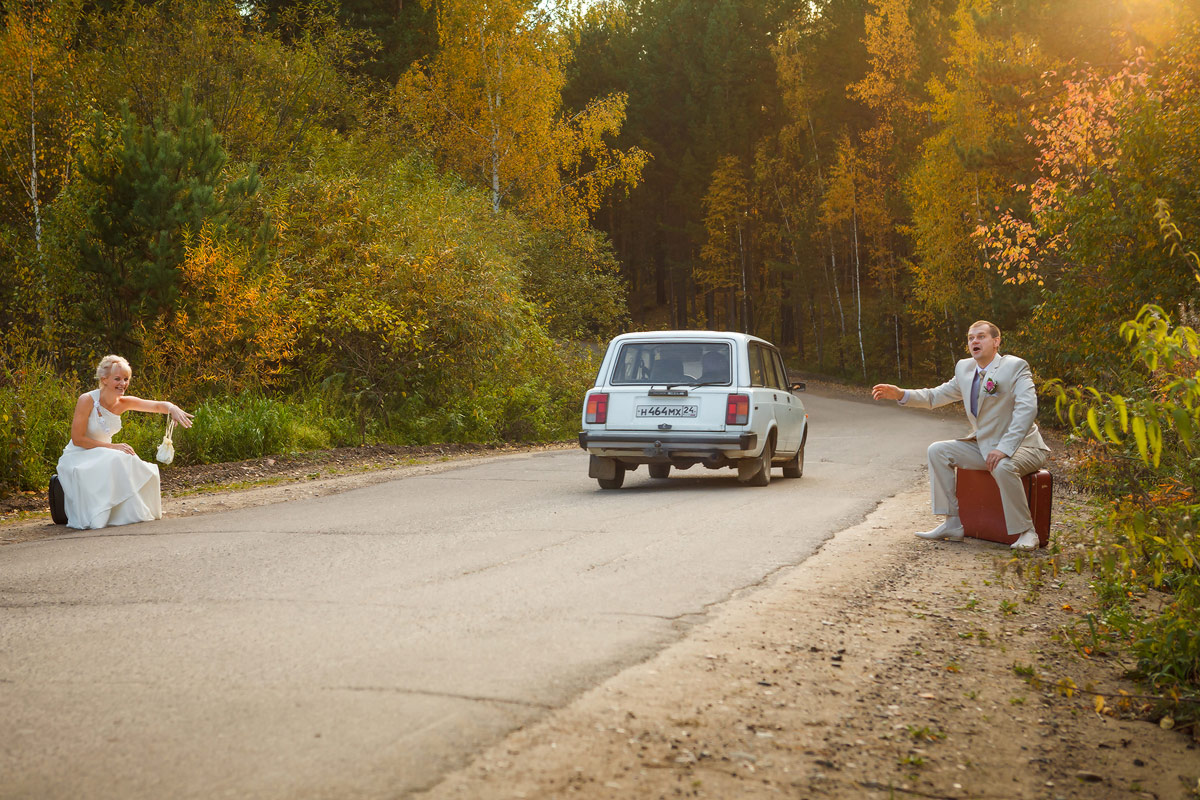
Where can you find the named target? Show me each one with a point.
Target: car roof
(688, 336)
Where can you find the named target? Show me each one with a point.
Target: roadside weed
(925, 734)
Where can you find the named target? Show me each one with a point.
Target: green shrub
(244, 427)
(35, 423)
(1151, 546)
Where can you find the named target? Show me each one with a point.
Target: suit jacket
(1006, 417)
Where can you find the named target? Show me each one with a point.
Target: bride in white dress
(105, 483)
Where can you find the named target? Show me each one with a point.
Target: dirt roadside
(882, 667)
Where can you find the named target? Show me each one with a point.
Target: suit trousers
(945, 457)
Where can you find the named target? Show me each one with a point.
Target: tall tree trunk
(796, 313)
(950, 337)
(896, 325)
(978, 251)
(837, 291)
(858, 288)
(814, 314)
(745, 289)
(33, 174)
(909, 350)
(494, 102)
(660, 273)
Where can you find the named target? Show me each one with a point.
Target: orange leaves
(234, 330)
(1077, 139)
(1014, 250)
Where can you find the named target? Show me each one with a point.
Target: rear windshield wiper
(671, 389)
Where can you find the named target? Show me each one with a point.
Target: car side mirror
(799, 386)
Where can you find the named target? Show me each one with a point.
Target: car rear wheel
(763, 476)
(659, 470)
(795, 467)
(615, 481)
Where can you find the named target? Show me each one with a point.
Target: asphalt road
(364, 644)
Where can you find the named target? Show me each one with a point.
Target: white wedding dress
(107, 487)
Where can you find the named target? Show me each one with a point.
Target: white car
(681, 398)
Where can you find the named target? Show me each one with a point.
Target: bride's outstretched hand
(180, 416)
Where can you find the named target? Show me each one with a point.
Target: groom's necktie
(975, 393)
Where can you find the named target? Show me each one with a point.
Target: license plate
(677, 411)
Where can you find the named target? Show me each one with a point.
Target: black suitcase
(58, 502)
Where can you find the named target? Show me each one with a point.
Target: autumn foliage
(225, 194)
(287, 198)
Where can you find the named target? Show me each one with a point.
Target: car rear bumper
(654, 444)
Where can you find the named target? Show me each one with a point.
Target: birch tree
(955, 177)
(38, 114)
(840, 208)
(722, 273)
(489, 106)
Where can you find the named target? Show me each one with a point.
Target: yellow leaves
(1098, 704)
(490, 104)
(892, 50)
(37, 77)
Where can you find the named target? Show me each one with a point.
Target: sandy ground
(882, 667)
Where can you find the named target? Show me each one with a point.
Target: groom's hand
(886, 391)
(994, 458)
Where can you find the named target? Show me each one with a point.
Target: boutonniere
(990, 386)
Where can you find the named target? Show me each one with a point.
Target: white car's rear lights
(597, 409)
(737, 410)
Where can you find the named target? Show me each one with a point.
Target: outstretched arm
(886, 391)
(176, 413)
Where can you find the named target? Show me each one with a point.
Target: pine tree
(154, 188)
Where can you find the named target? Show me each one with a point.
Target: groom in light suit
(1001, 403)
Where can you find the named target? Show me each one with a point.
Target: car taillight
(737, 410)
(597, 409)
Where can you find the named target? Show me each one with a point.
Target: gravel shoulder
(882, 667)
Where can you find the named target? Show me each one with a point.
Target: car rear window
(669, 362)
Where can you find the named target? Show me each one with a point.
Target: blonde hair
(106, 366)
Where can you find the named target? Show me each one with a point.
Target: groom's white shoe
(951, 530)
(1027, 541)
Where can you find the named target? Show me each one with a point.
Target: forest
(330, 223)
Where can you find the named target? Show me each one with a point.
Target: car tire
(659, 470)
(763, 476)
(615, 481)
(795, 467)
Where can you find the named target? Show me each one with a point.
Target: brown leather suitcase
(982, 514)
